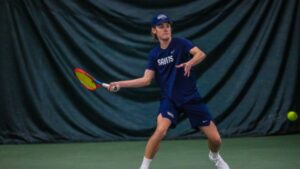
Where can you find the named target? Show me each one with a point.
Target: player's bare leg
(152, 146)
(213, 136)
(214, 144)
(163, 125)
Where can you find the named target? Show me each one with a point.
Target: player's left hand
(187, 68)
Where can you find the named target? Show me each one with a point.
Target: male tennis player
(170, 63)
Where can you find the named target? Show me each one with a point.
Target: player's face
(162, 31)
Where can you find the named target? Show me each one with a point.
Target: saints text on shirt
(165, 61)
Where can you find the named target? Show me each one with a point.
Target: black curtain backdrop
(249, 78)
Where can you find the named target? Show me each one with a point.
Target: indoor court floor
(272, 152)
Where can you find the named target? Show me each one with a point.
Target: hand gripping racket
(89, 82)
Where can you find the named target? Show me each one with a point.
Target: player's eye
(161, 26)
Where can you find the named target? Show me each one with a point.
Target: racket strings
(86, 81)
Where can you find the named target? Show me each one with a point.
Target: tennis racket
(89, 82)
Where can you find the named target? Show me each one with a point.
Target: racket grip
(105, 85)
(114, 89)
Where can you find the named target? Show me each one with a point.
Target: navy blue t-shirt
(173, 84)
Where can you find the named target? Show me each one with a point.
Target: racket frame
(97, 82)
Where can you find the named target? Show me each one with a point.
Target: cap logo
(161, 16)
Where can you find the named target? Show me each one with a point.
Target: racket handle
(105, 85)
(114, 89)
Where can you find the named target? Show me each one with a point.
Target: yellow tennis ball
(292, 116)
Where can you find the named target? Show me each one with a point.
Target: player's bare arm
(197, 57)
(134, 83)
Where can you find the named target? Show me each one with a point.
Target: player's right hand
(114, 87)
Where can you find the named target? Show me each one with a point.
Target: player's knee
(216, 141)
(161, 132)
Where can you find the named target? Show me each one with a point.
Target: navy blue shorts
(195, 109)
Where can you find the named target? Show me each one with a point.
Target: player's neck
(164, 43)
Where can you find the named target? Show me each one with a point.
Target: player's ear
(153, 30)
(153, 33)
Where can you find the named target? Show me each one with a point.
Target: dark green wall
(249, 79)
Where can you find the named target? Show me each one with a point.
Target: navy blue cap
(159, 19)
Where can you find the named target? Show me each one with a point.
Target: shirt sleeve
(151, 61)
(188, 45)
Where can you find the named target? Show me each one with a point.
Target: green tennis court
(274, 152)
